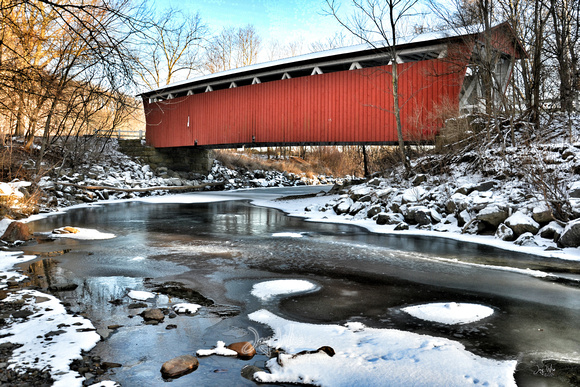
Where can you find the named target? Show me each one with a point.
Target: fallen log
(145, 189)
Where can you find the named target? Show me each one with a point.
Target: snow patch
(58, 337)
(373, 357)
(140, 295)
(450, 312)
(269, 289)
(185, 308)
(220, 349)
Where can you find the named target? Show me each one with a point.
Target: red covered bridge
(335, 97)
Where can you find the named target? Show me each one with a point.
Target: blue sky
(284, 21)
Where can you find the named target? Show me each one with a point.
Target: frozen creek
(362, 285)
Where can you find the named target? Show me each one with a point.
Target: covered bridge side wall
(343, 107)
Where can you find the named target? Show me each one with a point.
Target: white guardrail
(123, 134)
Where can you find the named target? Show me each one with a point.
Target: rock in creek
(153, 315)
(244, 349)
(179, 366)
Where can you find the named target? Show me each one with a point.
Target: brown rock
(17, 231)
(179, 366)
(153, 315)
(244, 349)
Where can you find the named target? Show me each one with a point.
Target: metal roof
(410, 45)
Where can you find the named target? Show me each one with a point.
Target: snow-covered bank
(366, 206)
(49, 338)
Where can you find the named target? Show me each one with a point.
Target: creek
(222, 248)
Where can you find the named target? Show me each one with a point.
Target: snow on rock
(118, 170)
(81, 233)
(570, 236)
(493, 215)
(185, 308)
(413, 195)
(450, 312)
(220, 349)
(58, 339)
(371, 357)
(269, 289)
(140, 295)
(343, 206)
(521, 223)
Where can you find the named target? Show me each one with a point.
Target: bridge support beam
(182, 159)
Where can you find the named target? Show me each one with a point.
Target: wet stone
(248, 371)
(66, 287)
(137, 305)
(179, 366)
(244, 349)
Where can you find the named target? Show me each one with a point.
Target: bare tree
(379, 23)
(232, 48)
(63, 62)
(336, 41)
(169, 48)
(565, 16)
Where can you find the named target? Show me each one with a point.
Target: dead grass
(336, 161)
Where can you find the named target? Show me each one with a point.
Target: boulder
(413, 195)
(366, 199)
(374, 210)
(401, 226)
(493, 215)
(179, 366)
(245, 349)
(389, 218)
(574, 190)
(521, 223)
(418, 180)
(153, 315)
(542, 214)
(17, 231)
(356, 208)
(360, 192)
(474, 227)
(463, 218)
(419, 214)
(456, 203)
(465, 190)
(551, 231)
(570, 236)
(504, 233)
(343, 206)
(526, 239)
(485, 185)
(435, 215)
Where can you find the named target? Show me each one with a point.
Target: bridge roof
(411, 48)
